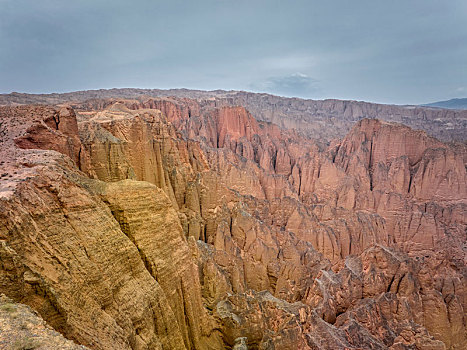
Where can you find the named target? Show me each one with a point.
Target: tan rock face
(68, 259)
(191, 225)
(146, 216)
(71, 260)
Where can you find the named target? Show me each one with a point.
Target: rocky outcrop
(262, 321)
(147, 218)
(54, 130)
(391, 297)
(69, 238)
(81, 266)
(192, 225)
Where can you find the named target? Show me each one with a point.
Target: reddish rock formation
(322, 120)
(191, 225)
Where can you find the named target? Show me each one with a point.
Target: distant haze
(402, 52)
(455, 103)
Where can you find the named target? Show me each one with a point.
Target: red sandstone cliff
(174, 224)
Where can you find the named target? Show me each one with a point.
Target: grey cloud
(385, 51)
(296, 84)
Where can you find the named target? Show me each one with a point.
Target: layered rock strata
(322, 120)
(174, 224)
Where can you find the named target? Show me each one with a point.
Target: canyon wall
(323, 120)
(180, 224)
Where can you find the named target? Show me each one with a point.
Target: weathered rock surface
(180, 224)
(322, 120)
(22, 328)
(148, 219)
(65, 254)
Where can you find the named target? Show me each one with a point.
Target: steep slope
(174, 223)
(80, 265)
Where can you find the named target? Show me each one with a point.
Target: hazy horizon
(395, 53)
(227, 91)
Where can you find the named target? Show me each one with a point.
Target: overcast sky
(392, 51)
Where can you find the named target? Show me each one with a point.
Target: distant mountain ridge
(322, 120)
(454, 103)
